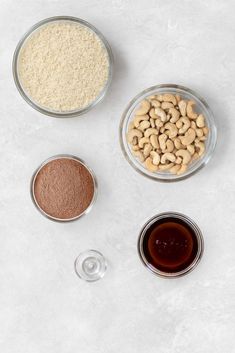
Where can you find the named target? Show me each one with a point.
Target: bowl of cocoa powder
(63, 188)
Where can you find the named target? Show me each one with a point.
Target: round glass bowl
(19, 85)
(47, 186)
(177, 231)
(201, 106)
(90, 265)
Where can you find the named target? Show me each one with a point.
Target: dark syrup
(170, 245)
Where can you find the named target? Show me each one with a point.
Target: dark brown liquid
(170, 245)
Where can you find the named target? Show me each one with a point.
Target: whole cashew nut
(152, 113)
(172, 130)
(132, 133)
(150, 166)
(182, 107)
(139, 118)
(175, 168)
(154, 141)
(152, 123)
(143, 141)
(158, 123)
(167, 97)
(160, 113)
(150, 132)
(168, 157)
(166, 105)
(147, 149)
(200, 121)
(155, 156)
(144, 108)
(169, 146)
(190, 113)
(175, 114)
(188, 138)
(185, 155)
(200, 147)
(162, 141)
(191, 149)
(166, 166)
(186, 125)
(139, 155)
(155, 103)
(144, 125)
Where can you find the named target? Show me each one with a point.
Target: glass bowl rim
(126, 116)
(190, 223)
(26, 97)
(35, 174)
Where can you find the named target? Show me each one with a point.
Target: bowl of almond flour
(62, 66)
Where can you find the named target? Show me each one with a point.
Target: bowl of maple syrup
(170, 245)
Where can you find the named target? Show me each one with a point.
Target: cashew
(160, 112)
(186, 125)
(168, 157)
(152, 113)
(203, 138)
(162, 129)
(182, 107)
(147, 149)
(199, 132)
(185, 155)
(132, 133)
(150, 132)
(152, 123)
(143, 108)
(155, 103)
(167, 97)
(162, 141)
(200, 121)
(171, 130)
(159, 97)
(175, 168)
(188, 138)
(158, 123)
(183, 169)
(154, 141)
(179, 123)
(139, 155)
(190, 113)
(178, 143)
(139, 118)
(175, 114)
(143, 141)
(191, 149)
(178, 160)
(166, 166)
(200, 148)
(166, 105)
(169, 146)
(150, 166)
(144, 125)
(155, 156)
(195, 156)
(135, 141)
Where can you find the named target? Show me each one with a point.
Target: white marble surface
(44, 307)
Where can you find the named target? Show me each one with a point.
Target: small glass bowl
(201, 107)
(28, 99)
(32, 193)
(191, 224)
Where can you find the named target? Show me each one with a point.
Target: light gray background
(44, 307)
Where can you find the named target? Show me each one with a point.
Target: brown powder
(64, 188)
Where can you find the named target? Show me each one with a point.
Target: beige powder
(63, 66)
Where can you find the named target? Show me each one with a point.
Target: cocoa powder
(64, 188)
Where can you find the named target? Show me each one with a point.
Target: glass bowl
(32, 188)
(29, 100)
(201, 106)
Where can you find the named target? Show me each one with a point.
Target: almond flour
(63, 66)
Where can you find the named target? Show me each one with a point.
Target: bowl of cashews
(168, 132)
